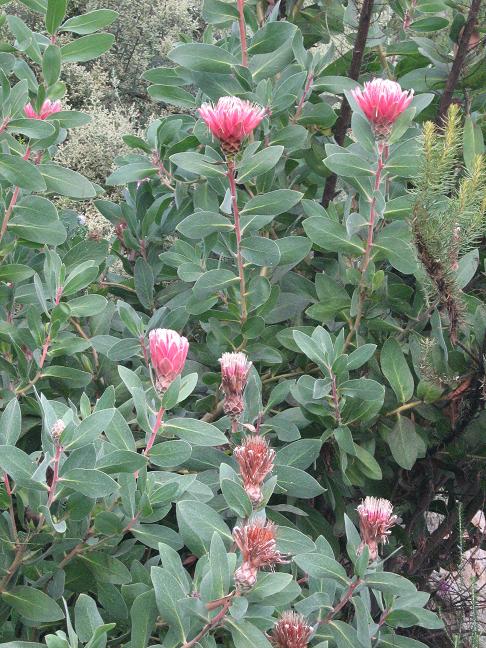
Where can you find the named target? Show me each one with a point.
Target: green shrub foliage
(142, 506)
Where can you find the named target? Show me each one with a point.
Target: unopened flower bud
(291, 631)
(234, 375)
(57, 429)
(168, 353)
(375, 521)
(245, 577)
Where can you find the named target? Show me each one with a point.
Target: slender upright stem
(226, 602)
(9, 211)
(55, 478)
(308, 85)
(11, 511)
(335, 399)
(155, 429)
(408, 17)
(345, 598)
(239, 260)
(371, 224)
(242, 24)
(13, 202)
(369, 247)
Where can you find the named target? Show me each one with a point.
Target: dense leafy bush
(338, 252)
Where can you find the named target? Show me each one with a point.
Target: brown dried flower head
(255, 459)
(257, 542)
(375, 521)
(234, 375)
(291, 631)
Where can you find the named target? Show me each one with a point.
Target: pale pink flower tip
(57, 429)
(48, 108)
(291, 631)
(382, 101)
(375, 521)
(257, 542)
(255, 460)
(168, 353)
(234, 375)
(231, 120)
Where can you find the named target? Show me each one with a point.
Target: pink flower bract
(48, 108)
(375, 521)
(231, 120)
(257, 542)
(255, 460)
(168, 353)
(291, 631)
(382, 101)
(234, 375)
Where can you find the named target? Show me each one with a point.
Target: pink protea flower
(375, 521)
(382, 101)
(48, 108)
(255, 460)
(257, 542)
(291, 631)
(168, 352)
(234, 375)
(231, 120)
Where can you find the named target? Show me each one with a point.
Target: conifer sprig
(449, 213)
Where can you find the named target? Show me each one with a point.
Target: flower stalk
(362, 291)
(242, 26)
(155, 430)
(239, 260)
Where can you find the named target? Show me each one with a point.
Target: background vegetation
(368, 360)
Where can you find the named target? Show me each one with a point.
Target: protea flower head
(48, 108)
(291, 631)
(255, 460)
(231, 120)
(382, 101)
(375, 521)
(234, 375)
(168, 352)
(257, 542)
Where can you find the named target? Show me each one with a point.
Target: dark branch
(344, 120)
(458, 64)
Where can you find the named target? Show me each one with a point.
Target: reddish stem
(408, 17)
(55, 478)
(371, 225)
(4, 124)
(13, 202)
(11, 511)
(335, 399)
(346, 597)
(369, 246)
(308, 85)
(9, 211)
(241, 22)
(239, 260)
(211, 624)
(155, 429)
(58, 296)
(45, 349)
